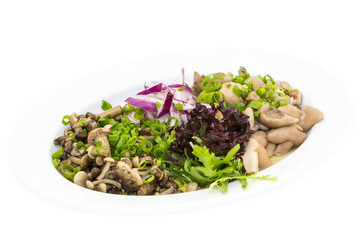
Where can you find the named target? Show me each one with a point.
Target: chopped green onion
(256, 114)
(71, 174)
(282, 103)
(58, 153)
(102, 122)
(82, 121)
(105, 105)
(157, 129)
(271, 86)
(228, 85)
(294, 90)
(255, 105)
(158, 105)
(66, 119)
(240, 106)
(230, 74)
(170, 119)
(239, 79)
(148, 178)
(81, 145)
(269, 78)
(279, 90)
(179, 106)
(144, 164)
(209, 84)
(260, 91)
(286, 91)
(139, 114)
(269, 94)
(56, 162)
(146, 145)
(180, 89)
(237, 91)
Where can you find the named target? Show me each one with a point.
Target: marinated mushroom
(283, 134)
(229, 96)
(310, 117)
(274, 118)
(283, 148)
(130, 177)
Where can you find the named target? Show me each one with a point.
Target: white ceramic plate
(43, 124)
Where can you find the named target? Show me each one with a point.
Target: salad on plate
(175, 138)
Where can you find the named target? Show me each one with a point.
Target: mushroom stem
(113, 112)
(106, 168)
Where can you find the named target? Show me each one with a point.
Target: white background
(45, 45)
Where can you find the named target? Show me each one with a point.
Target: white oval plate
(43, 124)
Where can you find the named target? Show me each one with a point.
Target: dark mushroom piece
(113, 112)
(77, 126)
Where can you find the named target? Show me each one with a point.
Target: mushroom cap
(284, 134)
(98, 134)
(130, 177)
(229, 96)
(80, 178)
(291, 110)
(310, 117)
(274, 118)
(283, 148)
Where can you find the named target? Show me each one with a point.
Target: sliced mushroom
(274, 118)
(113, 112)
(261, 137)
(291, 110)
(250, 157)
(284, 134)
(130, 177)
(197, 81)
(229, 96)
(283, 148)
(310, 117)
(99, 135)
